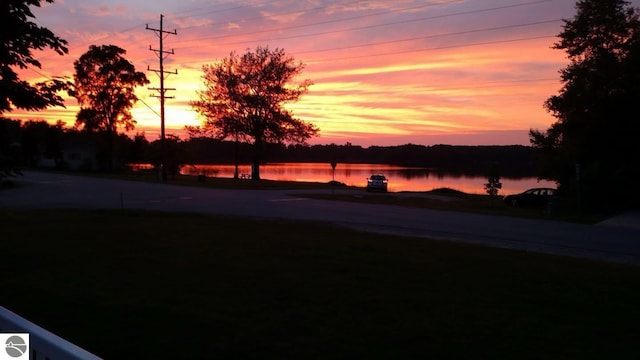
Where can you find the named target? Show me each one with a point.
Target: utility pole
(161, 33)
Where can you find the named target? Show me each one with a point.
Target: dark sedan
(531, 198)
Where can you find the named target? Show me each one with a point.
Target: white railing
(43, 344)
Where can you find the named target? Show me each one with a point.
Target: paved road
(611, 241)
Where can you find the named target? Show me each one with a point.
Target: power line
(380, 25)
(284, 13)
(406, 51)
(149, 107)
(491, 9)
(331, 21)
(431, 36)
(200, 12)
(435, 48)
(432, 17)
(367, 27)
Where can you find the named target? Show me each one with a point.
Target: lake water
(400, 178)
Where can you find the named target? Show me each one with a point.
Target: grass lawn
(146, 285)
(213, 182)
(453, 200)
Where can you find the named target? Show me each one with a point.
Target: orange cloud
(384, 73)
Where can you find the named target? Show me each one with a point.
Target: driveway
(613, 240)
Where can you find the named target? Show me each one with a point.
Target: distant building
(78, 157)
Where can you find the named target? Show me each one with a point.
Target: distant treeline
(36, 143)
(513, 160)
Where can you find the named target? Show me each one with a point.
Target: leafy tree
(17, 40)
(244, 99)
(104, 87)
(175, 151)
(41, 140)
(10, 132)
(19, 36)
(592, 150)
(493, 184)
(137, 147)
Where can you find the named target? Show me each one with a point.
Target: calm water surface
(400, 178)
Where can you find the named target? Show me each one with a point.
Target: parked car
(377, 182)
(531, 198)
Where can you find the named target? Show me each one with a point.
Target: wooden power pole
(161, 33)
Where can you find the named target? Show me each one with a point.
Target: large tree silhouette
(18, 38)
(244, 99)
(592, 148)
(105, 85)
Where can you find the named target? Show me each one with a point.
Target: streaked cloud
(384, 72)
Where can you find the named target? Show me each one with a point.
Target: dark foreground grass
(142, 285)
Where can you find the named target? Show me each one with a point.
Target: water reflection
(400, 178)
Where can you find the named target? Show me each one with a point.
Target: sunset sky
(467, 72)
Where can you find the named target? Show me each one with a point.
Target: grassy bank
(144, 285)
(453, 200)
(214, 182)
(438, 199)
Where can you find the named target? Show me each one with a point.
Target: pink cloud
(383, 71)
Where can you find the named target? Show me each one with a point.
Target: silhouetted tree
(175, 154)
(493, 184)
(9, 148)
(137, 148)
(592, 148)
(244, 99)
(41, 140)
(19, 36)
(104, 86)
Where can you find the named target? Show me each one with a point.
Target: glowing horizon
(385, 73)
